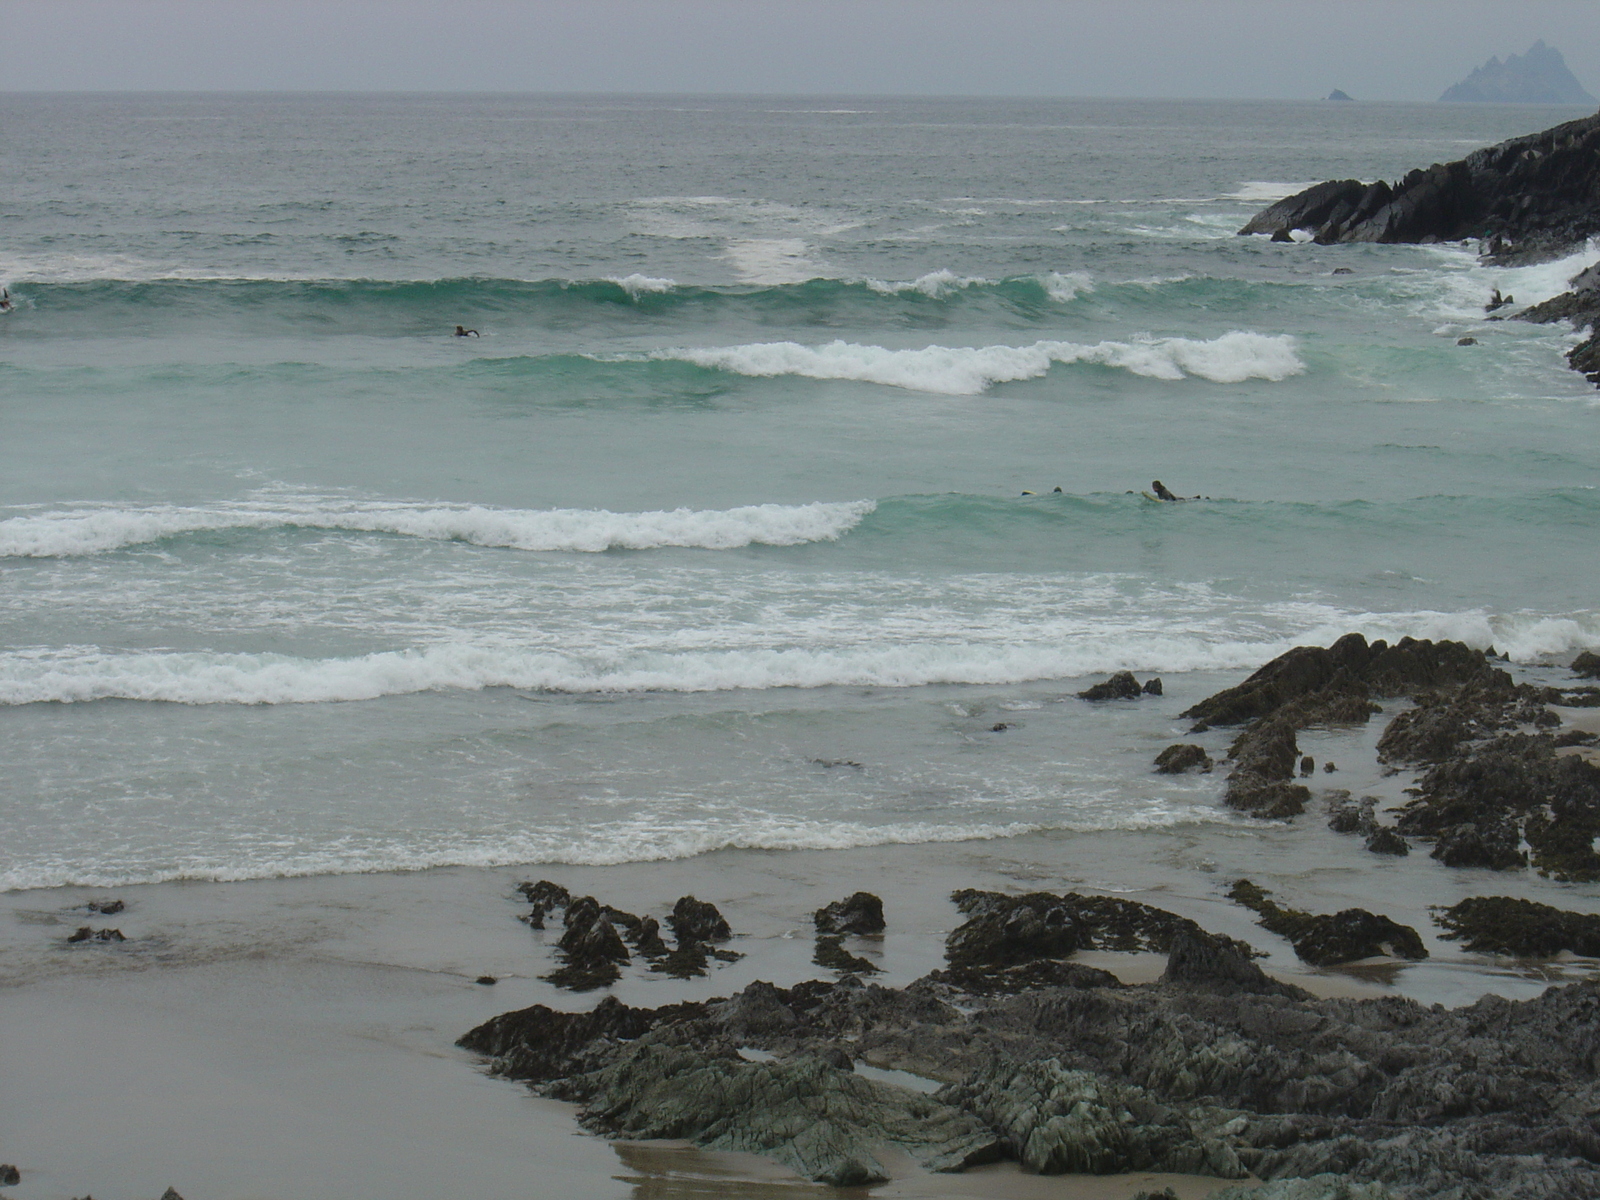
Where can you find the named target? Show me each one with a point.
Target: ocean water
(720, 533)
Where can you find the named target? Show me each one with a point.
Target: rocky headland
(1529, 199)
(1015, 1051)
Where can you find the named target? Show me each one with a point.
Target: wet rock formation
(857, 914)
(1311, 686)
(1121, 686)
(1324, 940)
(1213, 1069)
(593, 947)
(85, 934)
(1520, 928)
(1181, 757)
(831, 953)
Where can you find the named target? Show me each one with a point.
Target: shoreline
(269, 1013)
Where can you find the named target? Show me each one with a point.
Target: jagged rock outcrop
(1059, 1121)
(1495, 1099)
(1540, 76)
(1309, 686)
(1529, 197)
(823, 1122)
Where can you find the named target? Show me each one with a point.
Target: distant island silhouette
(1337, 94)
(1538, 77)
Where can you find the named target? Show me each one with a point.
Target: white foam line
(968, 371)
(95, 530)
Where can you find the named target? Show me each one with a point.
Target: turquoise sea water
(730, 487)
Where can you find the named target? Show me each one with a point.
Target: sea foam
(968, 371)
(94, 530)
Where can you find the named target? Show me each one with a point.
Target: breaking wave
(94, 530)
(967, 371)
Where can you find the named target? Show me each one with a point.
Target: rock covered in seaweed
(857, 914)
(1325, 940)
(1520, 928)
(1181, 757)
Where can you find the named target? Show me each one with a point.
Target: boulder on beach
(859, 913)
(831, 954)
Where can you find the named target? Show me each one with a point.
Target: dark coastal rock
(1010, 943)
(9, 1175)
(829, 953)
(105, 908)
(1206, 961)
(822, 1122)
(1530, 194)
(486, 980)
(85, 934)
(1121, 686)
(1540, 76)
(1056, 1120)
(591, 949)
(1489, 1100)
(1152, 686)
(1319, 1187)
(1311, 686)
(697, 921)
(538, 1044)
(1182, 757)
(1383, 840)
(1520, 928)
(1586, 665)
(647, 939)
(1328, 940)
(859, 913)
(171, 1194)
(1480, 804)
(1004, 930)
(1348, 815)
(545, 897)
(1466, 341)
(685, 962)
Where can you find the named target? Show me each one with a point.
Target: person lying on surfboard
(463, 331)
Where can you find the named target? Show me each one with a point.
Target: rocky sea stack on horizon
(1540, 76)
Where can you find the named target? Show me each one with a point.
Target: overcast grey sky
(1374, 49)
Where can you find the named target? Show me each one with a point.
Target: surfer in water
(1160, 489)
(463, 331)
(5, 300)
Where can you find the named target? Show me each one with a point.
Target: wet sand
(293, 1038)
